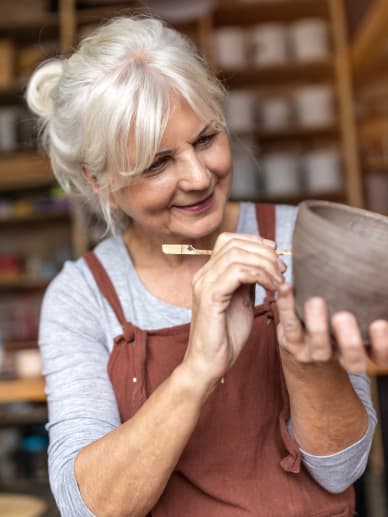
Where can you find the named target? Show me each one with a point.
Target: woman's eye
(157, 165)
(205, 140)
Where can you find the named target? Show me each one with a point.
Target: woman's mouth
(199, 207)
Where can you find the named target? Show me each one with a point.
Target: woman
(169, 392)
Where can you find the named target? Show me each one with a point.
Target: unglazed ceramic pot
(340, 253)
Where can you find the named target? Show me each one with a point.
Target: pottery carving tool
(188, 249)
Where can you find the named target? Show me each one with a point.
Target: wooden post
(205, 31)
(67, 21)
(353, 179)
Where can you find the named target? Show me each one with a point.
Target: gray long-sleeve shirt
(76, 337)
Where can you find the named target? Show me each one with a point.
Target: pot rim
(311, 203)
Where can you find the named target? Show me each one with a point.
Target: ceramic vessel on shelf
(309, 39)
(240, 106)
(275, 112)
(340, 253)
(230, 47)
(314, 105)
(281, 173)
(268, 44)
(322, 170)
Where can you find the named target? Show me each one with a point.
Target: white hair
(108, 105)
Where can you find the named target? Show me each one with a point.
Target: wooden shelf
(36, 28)
(16, 283)
(92, 15)
(291, 133)
(230, 12)
(291, 73)
(49, 217)
(18, 390)
(12, 94)
(35, 416)
(23, 170)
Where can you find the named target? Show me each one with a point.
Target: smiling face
(182, 196)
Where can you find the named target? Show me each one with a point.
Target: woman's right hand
(222, 306)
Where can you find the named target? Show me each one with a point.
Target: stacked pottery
(281, 173)
(340, 253)
(309, 39)
(230, 47)
(240, 106)
(314, 105)
(268, 44)
(322, 170)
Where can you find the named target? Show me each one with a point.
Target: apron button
(134, 379)
(222, 380)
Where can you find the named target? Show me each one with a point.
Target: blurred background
(307, 108)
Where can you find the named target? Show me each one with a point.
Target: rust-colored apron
(240, 459)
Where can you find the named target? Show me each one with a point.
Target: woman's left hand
(313, 343)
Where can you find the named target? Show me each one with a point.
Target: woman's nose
(194, 173)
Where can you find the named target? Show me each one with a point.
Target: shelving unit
(334, 71)
(26, 177)
(293, 74)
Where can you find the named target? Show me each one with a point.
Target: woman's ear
(92, 180)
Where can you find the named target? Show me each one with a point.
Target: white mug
(275, 112)
(240, 106)
(229, 47)
(322, 170)
(28, 363)
(376, 184)
(281, 171)
(309, 39)
(245, 170)
(8, 129)
(268, 44)
(314, 105)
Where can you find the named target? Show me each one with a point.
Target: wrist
(192, 385)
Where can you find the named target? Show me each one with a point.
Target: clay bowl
(341, 254)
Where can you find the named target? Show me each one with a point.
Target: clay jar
(340, 253)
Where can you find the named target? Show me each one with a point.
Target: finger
(268, 273)
(317, 325)
(353, 356)
(378, 332)
(254, 244)
(244, 274)
(219, 289)
(225, 237)
(291, 330)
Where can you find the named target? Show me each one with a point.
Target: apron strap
(105, 284)
(265, 215)
(266, 219)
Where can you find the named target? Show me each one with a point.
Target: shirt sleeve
(336, 472)
(81, 402)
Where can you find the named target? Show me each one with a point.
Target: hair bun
(40, 87)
